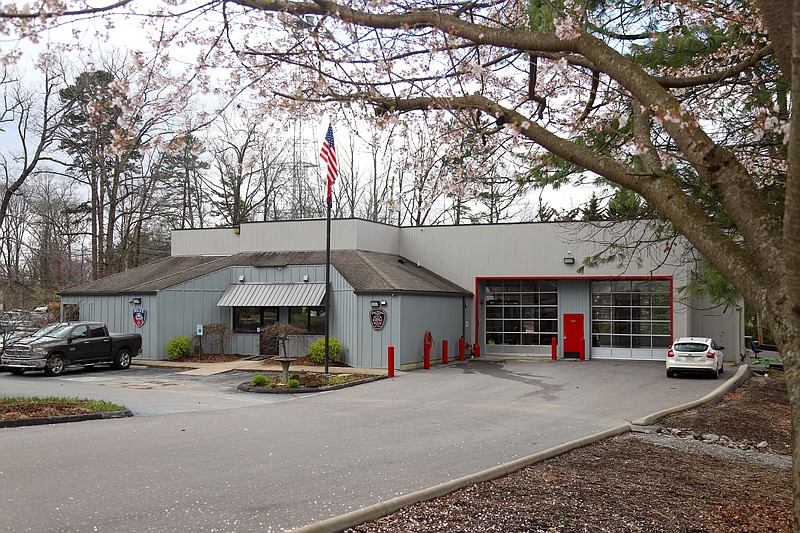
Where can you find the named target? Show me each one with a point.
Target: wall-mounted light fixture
(236, 230)
(241, 279)
(383, 303)
(569, 260)
(136, 301)
(305, 278)
(375, 303)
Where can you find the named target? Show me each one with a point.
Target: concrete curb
(381, 509)
(43, 420)
(740, 377)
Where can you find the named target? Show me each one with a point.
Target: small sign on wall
(199, 330)
(377, 317)
(139, 316)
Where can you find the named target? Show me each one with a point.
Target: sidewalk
(209, 369)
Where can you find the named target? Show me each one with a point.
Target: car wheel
(670, 373)
(54, 366)
(17, 371)
(123, 360)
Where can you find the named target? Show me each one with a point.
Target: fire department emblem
(377, 318)
(139, 316)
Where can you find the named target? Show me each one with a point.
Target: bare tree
(36, 115)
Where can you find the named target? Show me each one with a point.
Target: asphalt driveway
(145, 391)
(274, 463)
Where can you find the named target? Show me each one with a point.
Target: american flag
(328, 154)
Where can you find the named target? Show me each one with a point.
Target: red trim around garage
(478, 299)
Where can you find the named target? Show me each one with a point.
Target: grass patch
(338, 380)
(84, 403)
(765, 361)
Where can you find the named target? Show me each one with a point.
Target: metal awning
(273, 295)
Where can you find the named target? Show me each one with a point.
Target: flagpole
(328, 154)
(328, 283)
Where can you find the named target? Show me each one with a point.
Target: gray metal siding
(293, 235)
(440, 315)
(341, 304)
(726, 326)
(117, 313)
(373, 345)
(463, 254)
(574, 297)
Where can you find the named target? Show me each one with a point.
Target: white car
(695, 354)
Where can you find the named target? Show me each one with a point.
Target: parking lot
(202, 456)
(145, 391)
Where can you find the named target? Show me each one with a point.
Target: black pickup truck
(72, 343)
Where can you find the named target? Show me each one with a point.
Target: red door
(574, 341)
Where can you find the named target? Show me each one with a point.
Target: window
(249, 319)
(80, 332)
(312, 319)
(98, 330)
(631, 313)
(521, 312)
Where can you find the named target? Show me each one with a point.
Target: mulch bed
(628, 484)
(23, 410)
(212, 358)
(305, 361)
(226, 358)
(308, 382)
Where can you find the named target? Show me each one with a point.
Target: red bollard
(391, 361)
(476, 350)
(461, 349)
(554, 348)
(426, 361)
(444, 351)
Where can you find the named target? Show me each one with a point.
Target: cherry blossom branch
(661, 191)
(10, 13)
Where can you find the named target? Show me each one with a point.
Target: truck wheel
(17, 371)
(54, 366)
(123, 360)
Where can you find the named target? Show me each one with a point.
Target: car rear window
(690, 347)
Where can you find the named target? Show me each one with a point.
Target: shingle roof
(365, 271)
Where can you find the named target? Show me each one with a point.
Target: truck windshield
(47, 330)
(61, 332)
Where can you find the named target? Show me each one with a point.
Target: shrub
(216, 334)
(178, 348)
(293, 383)
(259, 380)
(316, 352)
(274, 338)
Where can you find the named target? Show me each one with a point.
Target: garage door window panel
(521, 304)
(639, 310)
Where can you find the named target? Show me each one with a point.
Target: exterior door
(80, 345)
(574, 341)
